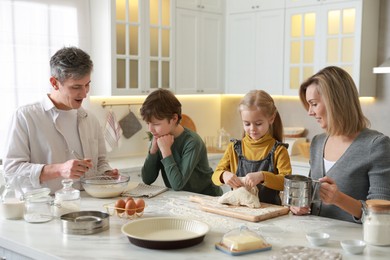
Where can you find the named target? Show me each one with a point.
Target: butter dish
(242, 241)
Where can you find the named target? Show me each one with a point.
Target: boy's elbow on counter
(177, 187)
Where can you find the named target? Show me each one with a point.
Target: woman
(351, 161)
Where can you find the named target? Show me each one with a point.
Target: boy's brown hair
(161, 104)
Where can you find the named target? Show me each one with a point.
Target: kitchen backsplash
(212, 112)
(205, 111)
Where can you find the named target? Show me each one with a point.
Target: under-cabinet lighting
(383, 68)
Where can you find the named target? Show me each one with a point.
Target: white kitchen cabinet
(244, 6)
(11, 255)
(255, 33)
(215, 6)
(131, 46)
(213, 162)
(199, 52)
(300, 165)
(339, 33)
(300, 3)
(300, 170)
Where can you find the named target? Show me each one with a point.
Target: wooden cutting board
(266, 211)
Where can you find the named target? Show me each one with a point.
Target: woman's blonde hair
(339, 93)
(263, 102)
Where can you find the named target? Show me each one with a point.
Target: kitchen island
(22, 240)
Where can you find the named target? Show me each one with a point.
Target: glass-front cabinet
(339, 33)
(127, 42)
(136, 45)
(160, 31)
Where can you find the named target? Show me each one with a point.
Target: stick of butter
(242, 242)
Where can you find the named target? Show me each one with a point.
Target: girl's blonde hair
(263, 102)
(339, 93)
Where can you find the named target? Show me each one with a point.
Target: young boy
(178, 152)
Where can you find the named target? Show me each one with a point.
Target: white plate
(165, 232)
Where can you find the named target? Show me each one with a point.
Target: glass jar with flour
(376, 222)
(66, 199)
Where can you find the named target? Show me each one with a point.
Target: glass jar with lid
(223, 139)
(37, 206)
(376, 222)
(67, 199)
(11, 206)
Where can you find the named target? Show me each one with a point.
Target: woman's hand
(329, 191)
(253, 178)
(300, 210)
(231, 179)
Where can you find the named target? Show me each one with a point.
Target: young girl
(260, 156)
(177, 152)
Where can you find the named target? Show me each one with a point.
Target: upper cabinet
(340, 33)
(214, 6)
(244, 6)
(300, 3)
(229, 46)
(131, 46)
(255, 43)
(199, 47)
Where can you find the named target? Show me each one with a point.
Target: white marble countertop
(46, 240)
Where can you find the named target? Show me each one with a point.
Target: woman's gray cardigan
(362, 172)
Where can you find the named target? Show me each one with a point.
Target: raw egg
(140, 204)
(120, 206)
(130, 207)
(128, 198)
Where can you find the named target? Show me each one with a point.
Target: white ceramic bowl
(353, 246)
(317, 238)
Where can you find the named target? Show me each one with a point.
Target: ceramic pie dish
(165, 232)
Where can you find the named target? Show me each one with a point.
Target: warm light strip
(140, 98)
(367, 100)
